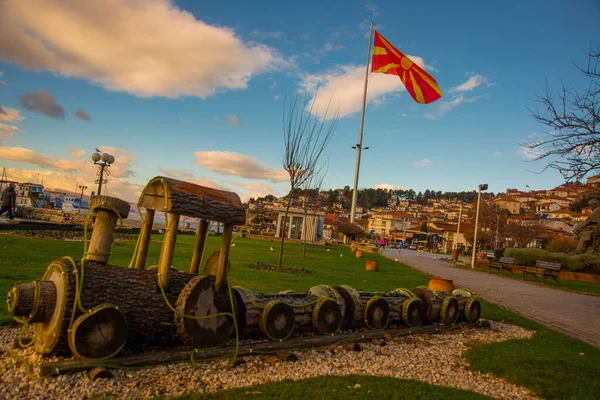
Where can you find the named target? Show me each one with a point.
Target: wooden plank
(223, 268)
(201, 234)
(177, 356)
(168, 249)
(145, 235)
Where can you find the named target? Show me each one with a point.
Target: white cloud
(8, 130)
(146, 48)
(494, 154)
(10, 115)
(64, 173)
(266, 35)
(441, 108)
(423, 163)
(527, 153)
(232, 119)
(343, 86)
(373, 9)
(229, 163)
(255, 190)
(471, 83)
(77, 153)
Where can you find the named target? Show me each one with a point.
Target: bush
(584, 263)
(528, 256)
(562, 244)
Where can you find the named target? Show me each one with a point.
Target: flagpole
(360, 133)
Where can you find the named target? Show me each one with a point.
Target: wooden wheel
(377, 312)
(413, 312)
(98, 334)
(472, 310)
(353, 310)
(327, 316)
(449, 311)
(277, 320)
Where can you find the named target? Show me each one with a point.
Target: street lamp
(82, 187)
(104, 160)
(481, 187)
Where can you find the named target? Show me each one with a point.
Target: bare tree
(305, 135)
(523, 235)
(573, 147)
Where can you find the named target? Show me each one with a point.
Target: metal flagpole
(360, 133)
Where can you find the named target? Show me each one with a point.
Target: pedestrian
(9, 200)
(381, 244)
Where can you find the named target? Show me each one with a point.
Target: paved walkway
(576, 315)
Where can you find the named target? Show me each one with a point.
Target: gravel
(435, 359)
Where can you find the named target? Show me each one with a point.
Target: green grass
(342, 388)
(549, 364)
(565, 284)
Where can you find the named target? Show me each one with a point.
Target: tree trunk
(439, 307)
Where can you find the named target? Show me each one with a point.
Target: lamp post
(82, 187)
(481, 187)
(104, 160)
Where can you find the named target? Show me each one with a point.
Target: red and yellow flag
(388, 60)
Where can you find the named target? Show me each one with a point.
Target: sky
(196, 90)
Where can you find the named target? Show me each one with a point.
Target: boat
(73, 204)
(31, 195)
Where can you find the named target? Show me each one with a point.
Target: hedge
(579, 263)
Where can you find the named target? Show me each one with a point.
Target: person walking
(381, 244)
(9, 201)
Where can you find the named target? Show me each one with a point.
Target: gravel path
(435, 359)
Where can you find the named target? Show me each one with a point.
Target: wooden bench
(545, 269)
(504, 263)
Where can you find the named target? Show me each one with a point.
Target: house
(544, 206)
(509, 203)
(301, 225)
(382, 223)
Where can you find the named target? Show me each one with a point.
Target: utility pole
(82, 187)
(481, 187)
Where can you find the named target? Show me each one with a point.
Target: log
(133, 291)
(353, 307)
(168, 249)
(469, 306)
(108, 210)
(200, 299)
(327, 316)
(176, 356)
(201, 234)
(21, 300)
(98, 334)
(377, 312)
(223, 266)
(276, 320)
(405, 307)
(439, 307)
(45, 300)
(145, 236)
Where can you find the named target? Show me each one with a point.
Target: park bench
(545, 269)
(504, 263)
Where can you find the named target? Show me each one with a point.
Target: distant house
(509, 203)
(545, 206)
(382, 223)
(300, 225)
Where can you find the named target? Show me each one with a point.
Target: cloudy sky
(195, 90)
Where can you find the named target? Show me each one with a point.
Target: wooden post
(224, 257)
(104, 226)
(145, 235)
(201, 234)
(168, 249)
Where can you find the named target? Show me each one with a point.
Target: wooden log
(168, 249)
(201, 234)
(176, 356)
(45, 301)
(145, 236)
(98, 334)
(133, 291)
(223, 266)
(277, 320)
(405, 307)
(21, 300)
(327, 316)
(353, 307)
(376, 314)
(200, 299)
(247, 312)
(108, 210)
(440, 285)
(372, 265)
(439, 307)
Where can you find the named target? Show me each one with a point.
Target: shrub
(562, 244)
(528, 256)
(584, 263)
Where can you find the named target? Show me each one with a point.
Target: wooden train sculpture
(91, 310)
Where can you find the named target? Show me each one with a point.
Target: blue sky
(195, 89)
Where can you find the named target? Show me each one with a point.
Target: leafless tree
(573, 145)
(305, 135)
(311, 194)
(523, 235)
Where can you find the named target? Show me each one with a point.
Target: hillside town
(432, 221)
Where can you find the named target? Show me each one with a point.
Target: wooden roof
(184, 198)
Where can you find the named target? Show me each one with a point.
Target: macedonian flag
(388, 60)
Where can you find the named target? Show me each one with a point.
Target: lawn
(550, 364)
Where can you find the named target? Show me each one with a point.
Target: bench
(545, 269)
(504, 263)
